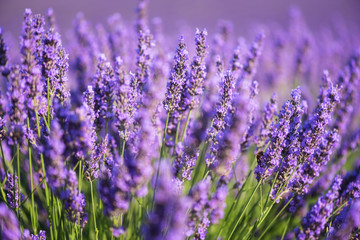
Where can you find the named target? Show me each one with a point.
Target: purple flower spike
(177, 78)
(268, 162)
(17, 112)
(198, 68)
(74, 201)
(9, 225)
(12, 191)
(314, 222)
(3, 51)
(114, 191)
(270, 111)
(103, 92)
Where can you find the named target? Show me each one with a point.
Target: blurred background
(194, 13)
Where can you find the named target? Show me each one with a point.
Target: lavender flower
(314, 128)
(217, 202)
(114, 191)
(138, 158)
(169, 212)
(197, 73)
(314, 222)
(30, 42)
(103, 92)
(291, 144)
(268, 162)
(347, 222)
(27, 236)
(184, 161)
(9, 225)
(74, 201)
(12, 191)
(177, 78)
(198, 218)
(17, 112)
(124, 106)
(270, 111)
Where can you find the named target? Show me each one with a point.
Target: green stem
(286, 227)
(275, 218)
(3, 158)
(244, 210)
(93, 207)
(177, 134)
(186, 125)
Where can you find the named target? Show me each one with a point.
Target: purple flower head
(347, 222)
(141, 10)
(315, 127)
(103, 92)
(217, 201)
(9, 225)
(114, 191)
(12, 191)
(235, 135)
(184, 162)
(124, 105)
(198, 218)
(270, 111)
(169, 210)
(315, 221)
(74, 201)
(177, 78)
(28, 236)
(270, 159)
(17, 113)
(31, 50)
(197, 73)
(141, 151)
(291, 144)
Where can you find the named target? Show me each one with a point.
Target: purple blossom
(28, 236)
(347, 222)
(184, 162)
(177, 78)
(314, 222)
(270, 159)
(198, 219)
(270, 111)
(12, 191)
(197, 72)
(114, 191)
(74, 201)
(291, 144)
(140, 153)
(9, 225)
(103, 92)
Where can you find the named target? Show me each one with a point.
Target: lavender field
(118, 130)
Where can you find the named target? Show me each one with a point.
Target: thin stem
(276, 217)
(93, 207)
(19, 182)
(244, 210)
(286, 227)
(186, 126)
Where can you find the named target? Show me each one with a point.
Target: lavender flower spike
(74, 201)
(197, 71)
(3, 52)
(11, 191)
(269, 113)
(103, 92)
(9, 225)
(177, 78)
(314, 222)
(268, 162)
